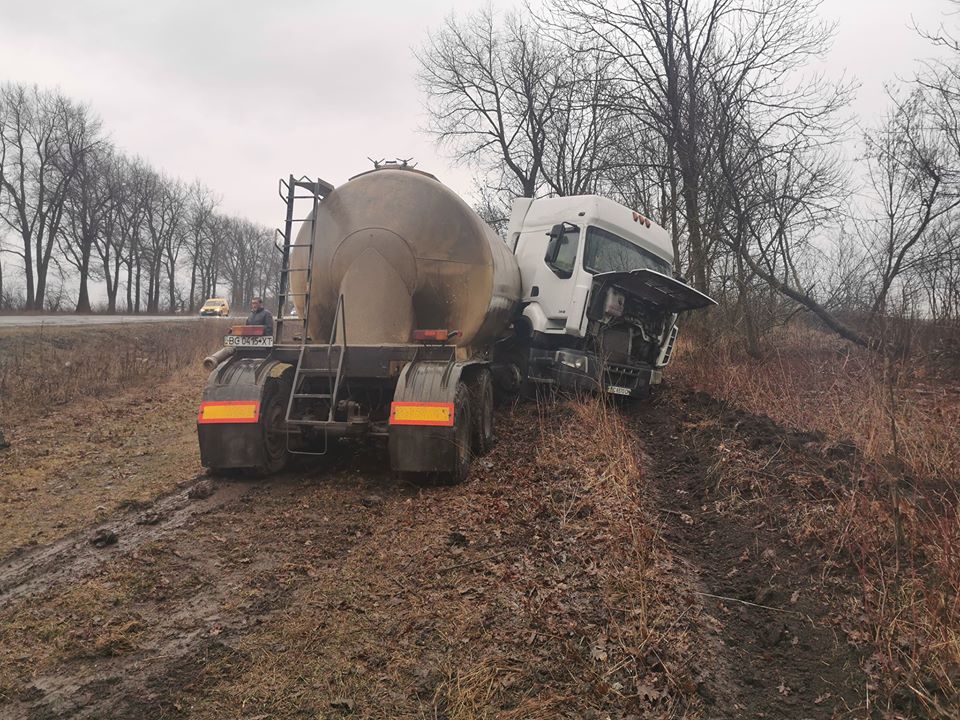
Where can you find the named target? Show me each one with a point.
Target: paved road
(70, 320)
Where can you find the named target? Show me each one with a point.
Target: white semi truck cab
(599, 299)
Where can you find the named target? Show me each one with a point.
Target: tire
(463, 434)
(273, 421)
(481, 402)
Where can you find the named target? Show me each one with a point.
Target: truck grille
(621, 375)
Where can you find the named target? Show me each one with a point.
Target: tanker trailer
(401, 293)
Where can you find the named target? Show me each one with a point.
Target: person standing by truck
(259, 315)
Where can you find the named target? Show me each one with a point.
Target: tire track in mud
(34, 570)
(100, 686)
(207, 572)
(766, 599)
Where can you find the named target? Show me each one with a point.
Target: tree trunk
(172, 289)
(40, 291)
(193, 284)
(813, 306)
(137, 288)
(28, 272)
(130, 286)
(83, 299)
(698, 261)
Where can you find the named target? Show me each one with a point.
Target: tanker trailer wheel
(273, 415)
(463, 436)
(481, 401)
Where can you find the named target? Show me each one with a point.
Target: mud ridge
(726, 483)
(32, 570)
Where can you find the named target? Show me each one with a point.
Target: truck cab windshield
(606, 252)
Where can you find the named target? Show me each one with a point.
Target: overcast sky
(243, 92)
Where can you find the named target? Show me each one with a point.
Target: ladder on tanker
(317, 191)
(333, 378)
(290, 191)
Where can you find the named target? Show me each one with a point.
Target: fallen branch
(747, 602)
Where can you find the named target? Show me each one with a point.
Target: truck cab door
(548, 266)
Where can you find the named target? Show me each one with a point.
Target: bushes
(42, 368)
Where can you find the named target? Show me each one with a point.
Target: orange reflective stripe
(229, 411)
(426, 413)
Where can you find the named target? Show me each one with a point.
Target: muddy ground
(740, 493)
(685, 580)
(86, 460)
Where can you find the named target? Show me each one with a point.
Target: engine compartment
(627, 328)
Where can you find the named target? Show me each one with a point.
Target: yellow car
(215, 306)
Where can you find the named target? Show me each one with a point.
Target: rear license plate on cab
(248, 341)
(617, 390)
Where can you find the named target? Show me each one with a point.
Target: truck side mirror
(558, 256)
(553, 246)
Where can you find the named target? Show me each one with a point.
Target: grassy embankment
(96, 417)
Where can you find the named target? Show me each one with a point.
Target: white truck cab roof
(589, 210)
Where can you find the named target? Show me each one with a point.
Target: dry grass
(596, 449)
(534, 590)
(95, 418)
(45, 367)
(817, 382)
(897, 521)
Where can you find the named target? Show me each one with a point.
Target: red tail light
(247, 330)
(432, 335)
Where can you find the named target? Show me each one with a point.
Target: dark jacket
(262, 317)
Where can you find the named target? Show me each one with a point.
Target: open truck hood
(661, 291)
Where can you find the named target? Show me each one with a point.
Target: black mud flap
(424, 447)
(229, 424)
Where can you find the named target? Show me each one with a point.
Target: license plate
(248, 340)
(617, 390)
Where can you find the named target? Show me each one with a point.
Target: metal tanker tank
(406, 253)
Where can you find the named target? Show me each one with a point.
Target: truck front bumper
(578, 371)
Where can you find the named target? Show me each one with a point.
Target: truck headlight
(577, 362)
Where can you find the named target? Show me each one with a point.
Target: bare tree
(202, 205)
(136, 181)
(586, 125)
(781, 197)
(212, 266)
(44, 138)
(164, 212)
(88, 207)
(250, 261)
(914, 174)
(662, 51)
(491, 92)
(682, 66)
(81, 212)
(174, 240)
(113, 243)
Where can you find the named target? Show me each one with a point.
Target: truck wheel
(273, 422)
(463, 434)
(481, 401)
